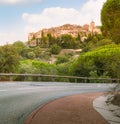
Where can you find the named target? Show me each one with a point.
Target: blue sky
(20, 17)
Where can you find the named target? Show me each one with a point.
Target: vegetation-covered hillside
(101, 62)
(99, 55)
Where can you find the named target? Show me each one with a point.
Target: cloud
(56, 16)
(18, 1)
(50, 17)
(92, 10)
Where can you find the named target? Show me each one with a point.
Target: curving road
(19, 99)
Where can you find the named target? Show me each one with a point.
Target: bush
(9, 59)
(105, 59)
(45, 55)
(55, 49)
(31, 55)
(62, 59)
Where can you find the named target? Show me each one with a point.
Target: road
(19, 99)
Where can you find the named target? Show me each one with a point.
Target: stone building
(65, 29)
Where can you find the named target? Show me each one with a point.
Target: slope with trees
(104, 60)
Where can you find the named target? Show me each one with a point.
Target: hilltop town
(73, 30)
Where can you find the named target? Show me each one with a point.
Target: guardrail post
(85, 80)
(25, 77)
(75, 80)
(11, 77)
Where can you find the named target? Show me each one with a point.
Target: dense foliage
(104, 60)
(55, 49)
(9, 59)
(100, 56)
(110, 17)
(38, 67)
(65, 41)
(62, 59)
(19, 46)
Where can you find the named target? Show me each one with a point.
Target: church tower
(92, 27)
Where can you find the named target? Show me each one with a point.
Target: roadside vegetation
(110, 17)
(97, 56)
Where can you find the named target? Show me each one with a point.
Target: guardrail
(53, 78)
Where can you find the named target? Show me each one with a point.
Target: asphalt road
(19, 99)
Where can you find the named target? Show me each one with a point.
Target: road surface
(19, 99)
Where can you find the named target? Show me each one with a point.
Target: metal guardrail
(58, 78)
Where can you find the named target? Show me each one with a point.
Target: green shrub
(31, 55)
(62, 59)
(55, 49)
(103, 59)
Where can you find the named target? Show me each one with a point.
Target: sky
(20, 17)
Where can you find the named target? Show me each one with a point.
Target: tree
(62, 59)
(78, 38)
(68, 42)
(55, 49)
(31, 55)
(44, 41)
(25, 51)
(103, 42)
(103, 60)
(51, 39)
(37, 51)
(19, 46)
(9, 59)
(110, 17)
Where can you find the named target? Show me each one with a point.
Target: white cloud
(50, 17)
(92, 10)
(56, 16)
(18, 1)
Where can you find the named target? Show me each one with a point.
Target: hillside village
(73, 30)
(68, 54)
